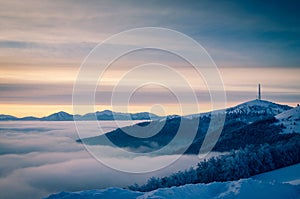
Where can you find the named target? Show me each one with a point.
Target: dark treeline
(248, 161)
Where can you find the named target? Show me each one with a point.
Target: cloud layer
(39, 158)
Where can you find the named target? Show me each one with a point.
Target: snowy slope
(236, 118)
(250, 111)
(290, 120)
(289, 175)
(281, 183)
(258, 106)
(246, 188)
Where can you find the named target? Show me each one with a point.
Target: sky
(44, 43)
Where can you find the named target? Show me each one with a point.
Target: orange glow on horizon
(22, 110)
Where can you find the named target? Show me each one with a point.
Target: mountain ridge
(98, 115)
(240, 120)
(110, 115)
(270, 108)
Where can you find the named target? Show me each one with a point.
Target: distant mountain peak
(258, 107)
(63, 112)
(106, 111)
(59, 116)
(258, 102)
(249, 111)
(7, 117)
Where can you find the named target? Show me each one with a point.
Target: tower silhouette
(259, 93)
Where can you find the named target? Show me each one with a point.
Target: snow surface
(281, 183)
(254, 107)
(245, 188)
(291, 120)
(258, 106)
(289, 175)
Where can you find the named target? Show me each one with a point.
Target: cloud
(78, 173)
(39, 158)
(236, 33)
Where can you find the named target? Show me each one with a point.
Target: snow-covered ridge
(290, 120)
(295, 113)
(259, 107)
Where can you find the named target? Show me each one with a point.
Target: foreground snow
(289, 175)
(281, 183)
(246, 188)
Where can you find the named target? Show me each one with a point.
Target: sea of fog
(38, 158)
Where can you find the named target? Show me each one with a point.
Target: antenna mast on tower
(259, 93)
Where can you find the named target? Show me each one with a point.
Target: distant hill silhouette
(99, 115)
(252, 122)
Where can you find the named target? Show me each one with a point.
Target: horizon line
(230, 106)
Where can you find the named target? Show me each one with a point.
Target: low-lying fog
(40, 158)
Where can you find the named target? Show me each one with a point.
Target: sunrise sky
(43, 44)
